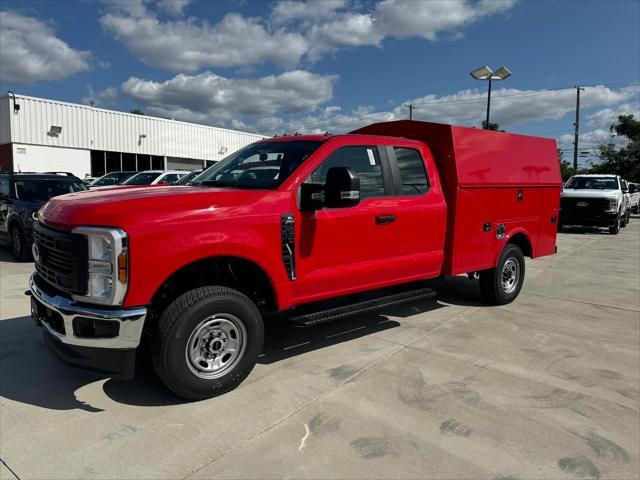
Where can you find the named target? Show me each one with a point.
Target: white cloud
(174, 7)
(401, 19)
(467, 107)
(313, 10)
(210, 98)
(292, 31)
(106, 98)
(30, 51)
(189, 45)
(608, 116)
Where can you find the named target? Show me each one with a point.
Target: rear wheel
(207, 342)
(502, 284)
(19, 246)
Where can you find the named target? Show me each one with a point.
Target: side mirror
(342, 188)
(311, 197)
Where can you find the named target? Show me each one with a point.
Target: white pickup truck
(634, 197)
(594, 201)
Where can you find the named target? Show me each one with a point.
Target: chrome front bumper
(131, 321)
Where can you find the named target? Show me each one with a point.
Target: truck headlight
(613, 205)
(107, 265)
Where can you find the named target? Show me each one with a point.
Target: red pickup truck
(307, 227)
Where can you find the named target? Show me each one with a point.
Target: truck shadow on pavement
(29, 374)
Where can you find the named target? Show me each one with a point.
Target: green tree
(136, 111)
(566, 167)
(491, 126)
(626, 160)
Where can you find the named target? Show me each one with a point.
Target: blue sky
(331, 65)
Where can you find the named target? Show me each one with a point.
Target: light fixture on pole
(485, 73)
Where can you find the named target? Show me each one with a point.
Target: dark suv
(21, 195)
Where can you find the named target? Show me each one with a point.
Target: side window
(364, 161)
(4, 186)
(170, 178)
(413, 176)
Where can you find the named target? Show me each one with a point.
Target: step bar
(357, 308)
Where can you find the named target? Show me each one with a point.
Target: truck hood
(589, 193)
(133, 207)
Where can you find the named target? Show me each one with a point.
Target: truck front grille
(583, 207)
(61, 258)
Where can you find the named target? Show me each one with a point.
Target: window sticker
(372, 159)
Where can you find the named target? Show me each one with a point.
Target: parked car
(634, 195)
(155, 177)
(21, 195)
(188, 178)
(594, 201)
(112, 178)
(304, 228)
(87, 180)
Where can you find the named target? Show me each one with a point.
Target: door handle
(384, 219)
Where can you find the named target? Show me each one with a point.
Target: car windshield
(41, 190)
(592, 183)
(186, 180)
(113, 178)
(264, 165)
(142, 178)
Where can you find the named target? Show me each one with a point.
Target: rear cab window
(413, 174)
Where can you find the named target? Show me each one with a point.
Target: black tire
(183, 318)
(19, 248)
(615, 229)
(560, 227)
(623, 220)
(492, 286)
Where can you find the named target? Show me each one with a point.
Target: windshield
(593, 183)
(186, 180)
(264, 165)
(42, 190)
(142, 178)
(113, 178)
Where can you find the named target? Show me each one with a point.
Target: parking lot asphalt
(547, 387)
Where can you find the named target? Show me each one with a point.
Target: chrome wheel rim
(216, 346)
(510, 275)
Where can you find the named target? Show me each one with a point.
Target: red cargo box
(490, 179)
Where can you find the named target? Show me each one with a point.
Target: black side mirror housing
(342, 188)
(311, 197)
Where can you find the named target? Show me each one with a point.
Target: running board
(313, 318)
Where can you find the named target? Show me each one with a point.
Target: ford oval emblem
(36, 252)
(582, 204)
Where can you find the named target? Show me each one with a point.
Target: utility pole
(577, 131)
(410, 107)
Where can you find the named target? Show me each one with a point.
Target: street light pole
(486, 73)
(486, 125)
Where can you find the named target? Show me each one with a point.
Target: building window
(113, 162)
(144, 162)
(97, 163)
(129, 162)
(157, 163)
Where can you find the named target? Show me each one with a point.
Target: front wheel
(19, 246)
(615, 229)
(502, 284)
(207, 342)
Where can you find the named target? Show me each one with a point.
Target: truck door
(343, 250)
(421, 212)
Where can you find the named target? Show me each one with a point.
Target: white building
(38, 135)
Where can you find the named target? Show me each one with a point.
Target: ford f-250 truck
(311, 228)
